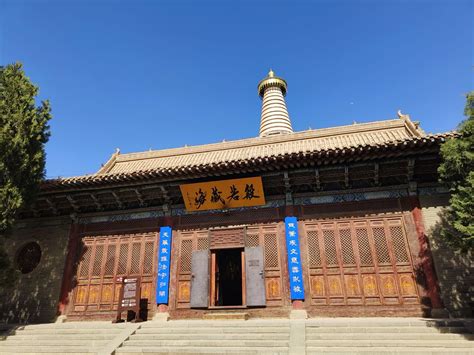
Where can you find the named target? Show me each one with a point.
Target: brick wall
(34, 297)
(455, 271)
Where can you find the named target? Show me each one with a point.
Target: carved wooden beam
(140, 199)
(317, 179)
(117, 199)
(167, 204)
(96, 202)
(52, 206)
(346, 177)
(410, 169)
(288, 192)
(376, 174)
(73, 203)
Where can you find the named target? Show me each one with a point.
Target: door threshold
(227, 307)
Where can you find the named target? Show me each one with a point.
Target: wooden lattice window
(148, 258)
(346, 247)
(86, 259)
(313, 248)
(99, 254)
(330, 247)
(271, 250)
(122, 262)
(203, 243)
(252, 240)
(380, 240)
(364, 247)
(185, 255)
(399, 244)
(110, 260)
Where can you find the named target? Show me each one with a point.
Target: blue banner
(164, 255)
(295, 271)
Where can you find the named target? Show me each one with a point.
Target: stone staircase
(210, 337)
(254, 336)
(64, 338)
(387, 336)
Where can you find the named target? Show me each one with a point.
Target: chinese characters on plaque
(294, 260)
(223, 194)
(164, 254)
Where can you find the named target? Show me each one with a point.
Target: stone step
(187, 330)
(384, 350)
(390, 343)
(47, 350)
(226, 316)
(205, 343)
(358, 330)
(201, 350)
(215, 324)
(383, 322)
(387, 336)
(230, 336)
(20, 335)
(68, 331)
(13, 341)
(76, 325)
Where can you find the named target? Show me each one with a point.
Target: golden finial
(271, 80)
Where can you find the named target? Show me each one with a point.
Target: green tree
(457, 171)
(24, 131)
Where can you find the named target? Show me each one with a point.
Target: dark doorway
(228, 277)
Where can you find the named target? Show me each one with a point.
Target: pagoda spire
(274, 119)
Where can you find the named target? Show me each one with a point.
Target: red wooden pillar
(69, 268)
(425, 255)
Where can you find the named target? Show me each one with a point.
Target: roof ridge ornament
(401, 115)
(274, 118)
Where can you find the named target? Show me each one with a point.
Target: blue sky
(158, 74)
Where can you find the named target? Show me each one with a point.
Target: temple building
(339, 221)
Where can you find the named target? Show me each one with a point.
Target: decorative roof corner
(412, 126)
(105, 168)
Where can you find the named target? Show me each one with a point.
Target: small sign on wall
(295, 271)
(213, 195)
(164, 255)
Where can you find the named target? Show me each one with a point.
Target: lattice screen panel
(203, 243)
(365, 253)
(330, 247)
(346, 247)
(399, 244)
(186, 251)
(99, 254)
(365, 248)
(380, 239)
(148, 258)
(123, 257)
(313, 247)
(271, 250)
(86, 259)
(252, 240)
(110, 261)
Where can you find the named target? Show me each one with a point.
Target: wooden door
(255, 277)
(200, 279)
(102, 261)
(364, 261)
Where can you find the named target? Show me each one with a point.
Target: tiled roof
(262, 152)
(252, 148)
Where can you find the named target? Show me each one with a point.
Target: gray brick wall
(455, 271)
(34, 298)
